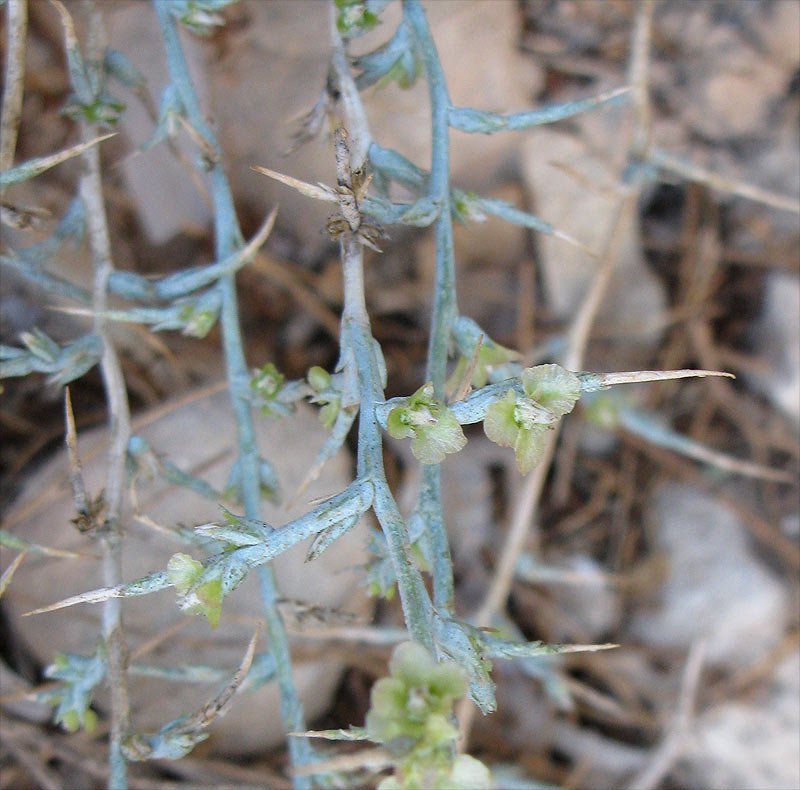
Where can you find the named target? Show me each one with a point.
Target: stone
(165, 195)
(197, 434)
(715, 588)
(777, 340)
(573, 189)
(749, 743)
(591, 605)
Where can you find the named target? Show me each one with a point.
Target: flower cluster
(433, 429)
(521, 421)
(411, 714)
(320, 382)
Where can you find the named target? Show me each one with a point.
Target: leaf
(553, 387)
(182, 571)
(34, 167)
(9, 572)
(469, 774)
(396, 426)
(529, 447)
(499, 424)
(432, 443)
(351, 734)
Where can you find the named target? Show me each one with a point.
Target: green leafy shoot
(411, 714)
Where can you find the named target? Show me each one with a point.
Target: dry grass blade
(76, 482)
(723, 461)
(670, 749)
(14, 79)
(217, 706)
(9, 572)
(638, 376)
(207, 150)
(373, 759)
(696, 173)
(281, 273)
(464, 386)
(261, 235)
(318, 192)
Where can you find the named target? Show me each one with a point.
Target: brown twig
(674, 743)
(13, 79)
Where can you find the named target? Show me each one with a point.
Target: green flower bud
(318, 378)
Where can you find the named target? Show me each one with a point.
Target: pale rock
(732, 87)
(751, 743)
(715, 588)
(777, 339)
(779, 29)
(197, 434)
(487, 254)
(586, 599)
(790, 525)
(574, 189)
(166, 198)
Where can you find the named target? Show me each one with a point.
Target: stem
(357, 337)
(444, 300)
(119, 427)
(14, 79)
(228, 239)
(357, 124)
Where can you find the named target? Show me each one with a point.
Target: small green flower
(469, 774)
(353, 17)
(197, 321)
(404, 71)
(522, 422)
(103, 110)
(490, 354)
(266, 383)
(200, 16)
(206, 599)
(432, 427)
(318, 378)
(552, 387)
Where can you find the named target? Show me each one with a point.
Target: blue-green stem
(228, 239)
(357, 340)
(444, 298)
(360, 348)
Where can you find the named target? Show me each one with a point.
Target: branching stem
(91, 191)
(228, 239)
